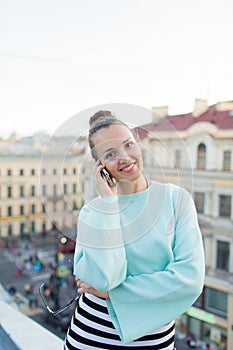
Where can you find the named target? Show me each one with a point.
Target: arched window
(201, 156)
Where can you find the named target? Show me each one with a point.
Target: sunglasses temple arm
(64, 308)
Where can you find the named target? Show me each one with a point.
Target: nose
(123, 155)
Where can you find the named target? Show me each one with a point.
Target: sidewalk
(19, 302)
(23, 306)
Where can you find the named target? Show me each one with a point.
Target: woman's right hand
(103, 188)
(83, 287)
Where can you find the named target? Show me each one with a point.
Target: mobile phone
(108, 178)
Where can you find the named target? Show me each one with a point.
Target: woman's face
(118, 150)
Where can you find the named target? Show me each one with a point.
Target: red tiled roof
(221, 119)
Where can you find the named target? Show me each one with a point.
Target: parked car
(66, 245)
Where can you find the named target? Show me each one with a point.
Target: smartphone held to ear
(107, 177)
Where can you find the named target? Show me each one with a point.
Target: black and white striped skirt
(91, 328)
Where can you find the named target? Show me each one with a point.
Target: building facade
(37, 194)
(195, 150)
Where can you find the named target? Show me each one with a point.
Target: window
(33, 172)
(54, 171)
(226, 160)
(21, 228)
(199, 199)
(65, 188)
(10, 231)
(54, 189)
(21, 210)
(43, 225)
(199, 302)
(9, 191)
(32, 190)
(177, 158)
(65, 206)
(215, 301)
(74, 171)
(44, 190)
(43, 208)
(65, 171)
(201, 156)
(43, 171)
(21, 191)
(9, 211)
(54, 206)
(9, 172)
(21, 172)
(75, 207)
(223, 254)
(74, 188)
(33, 208)
(225, 206)
(33, 226)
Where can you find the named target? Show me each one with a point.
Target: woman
(139, 256)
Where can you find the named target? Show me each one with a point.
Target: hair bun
(99, 116)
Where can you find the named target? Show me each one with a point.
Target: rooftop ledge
(25, 333)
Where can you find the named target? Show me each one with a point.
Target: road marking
(41, 276)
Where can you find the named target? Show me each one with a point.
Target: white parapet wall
(26, 333)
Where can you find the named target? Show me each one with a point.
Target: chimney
(159, 113)
(200, 107)
(224, 106)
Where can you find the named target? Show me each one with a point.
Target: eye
(110, 155)
(129, 144)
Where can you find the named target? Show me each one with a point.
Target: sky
(63, 59)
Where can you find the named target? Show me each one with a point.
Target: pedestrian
(18, 269)
(139, 259)
(31, 299)
(12, 289)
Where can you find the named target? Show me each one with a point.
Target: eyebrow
(110, 149)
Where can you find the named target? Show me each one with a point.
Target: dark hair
(98, 116)
(98, 124)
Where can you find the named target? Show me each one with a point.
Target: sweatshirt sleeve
(99, 258)
(155, 299)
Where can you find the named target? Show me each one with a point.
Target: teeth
(129, 167)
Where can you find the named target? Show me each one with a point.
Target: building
(195, 150)
(40, 189)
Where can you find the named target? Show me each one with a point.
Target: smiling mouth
(128, 168)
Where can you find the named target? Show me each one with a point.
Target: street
(46, 249)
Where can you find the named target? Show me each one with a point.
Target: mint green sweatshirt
(146, 250)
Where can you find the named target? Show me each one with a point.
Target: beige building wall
(43, 200)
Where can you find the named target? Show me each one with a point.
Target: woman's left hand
(83, 287)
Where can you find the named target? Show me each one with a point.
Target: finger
(79, 282)
(98, 169)
(84, 289)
